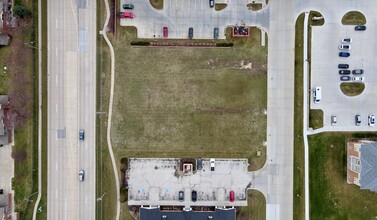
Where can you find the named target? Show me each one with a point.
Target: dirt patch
(221, 111)
(253, 66)
(19, 156)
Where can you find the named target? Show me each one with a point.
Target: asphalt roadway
(71, 107)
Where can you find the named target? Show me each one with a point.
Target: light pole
(100, 198)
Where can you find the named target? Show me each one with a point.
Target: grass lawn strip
(298, 186)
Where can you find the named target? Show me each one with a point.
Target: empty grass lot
(330, 195)
(190, 102)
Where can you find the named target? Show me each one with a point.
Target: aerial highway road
(71, 108)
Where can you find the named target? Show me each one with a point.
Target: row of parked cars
(165, 32)
(371, 120)
(343, 67)
(127, 14)
(194, 196)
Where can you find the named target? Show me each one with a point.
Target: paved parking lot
(178, 16)
(155, 181)
(7, 170)
(324, 73)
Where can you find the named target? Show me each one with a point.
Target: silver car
(371, 121)
(81, 175)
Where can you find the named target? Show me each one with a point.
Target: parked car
(371, 121)
(333, 119)
(231, 196)
(345, 78)
(199, 163)
(82, 135)
(357, 71)
(211, 3)
(343, 66)
(181, 196)
(191, 33)
(344, 47)
(216, 32)
(346, 40)
(360, 28)
(212, 162)
(358, 78)
(81, 175)
(130, 15)
(344, 72)
(194, 196)
(165, 32)
(357, 120)
(344, 54)
(128, 6)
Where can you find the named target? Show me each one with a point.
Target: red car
(165, 32)
(126, 15)
(231, 196)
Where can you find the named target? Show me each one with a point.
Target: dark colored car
(344, 72)
(345, 78)
(191, 33)
(360, 28)
(194, 196)
(357, 71)
(199, 164)
(165, 32)
(231, 196)
(344, 54)
(128, 6)
(181, 196)
(211, 3)
(343, 66)
(357, 120)
(216, 32)
(82, 135)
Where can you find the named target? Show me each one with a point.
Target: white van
(317, 94)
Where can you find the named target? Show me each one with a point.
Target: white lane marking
(65, 208)
(56, 166)
(86, 62)
(56, 193)
(86, 91)
(86, 146)
(56, 80)
(56, 51)
(56, 107)
(56, 23)
(86, 118)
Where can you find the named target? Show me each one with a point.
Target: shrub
(224, 44)
(140, 43)
(21, 11)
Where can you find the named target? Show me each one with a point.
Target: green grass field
(330, 195)
(190, 102)
(256, 208)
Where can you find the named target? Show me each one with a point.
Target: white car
(346, 40)
(358, 78)
(212, 162)
(344, 47)
(371, 121)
